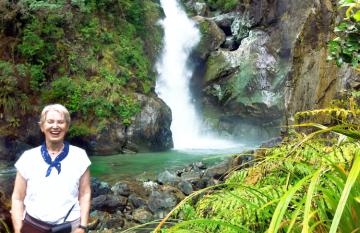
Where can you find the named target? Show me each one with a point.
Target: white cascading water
(181, 36)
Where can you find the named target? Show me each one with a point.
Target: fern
(284, 192)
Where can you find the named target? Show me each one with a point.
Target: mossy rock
(211, 37)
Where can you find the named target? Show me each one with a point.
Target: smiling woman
(54, 123)
(45, 200)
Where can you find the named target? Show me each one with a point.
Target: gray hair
(55, 107)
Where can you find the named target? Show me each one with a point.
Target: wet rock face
(211, 37)
(11, 148)
(150, 130)
(271, 64)
(314, 81)
(243, 86)
(197, 8)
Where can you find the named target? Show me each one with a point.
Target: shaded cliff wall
(270, 64)
(312, 81)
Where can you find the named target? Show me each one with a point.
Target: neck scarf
(56, 163)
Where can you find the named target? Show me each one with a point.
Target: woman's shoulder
(76, 149)
(29, 156)
(79, 155)
(32, 151)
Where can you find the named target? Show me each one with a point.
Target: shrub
(345, 47)
(12, 100)
(225, 5)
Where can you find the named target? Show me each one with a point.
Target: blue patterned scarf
(56, 163)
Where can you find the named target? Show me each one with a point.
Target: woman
(52, 184)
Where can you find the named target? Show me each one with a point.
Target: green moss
(216, 64)
(89, 55)
(13, 102)
(79, 130)
(224, 5)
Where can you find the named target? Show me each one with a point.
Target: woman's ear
(41, 128)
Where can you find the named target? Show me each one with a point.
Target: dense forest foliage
(90, 56)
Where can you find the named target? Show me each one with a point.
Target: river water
(146, 166)
(141, 166)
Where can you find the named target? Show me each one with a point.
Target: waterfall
(181, 36)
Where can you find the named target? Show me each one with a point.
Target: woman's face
(54, 127)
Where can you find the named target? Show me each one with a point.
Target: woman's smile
(54, 127)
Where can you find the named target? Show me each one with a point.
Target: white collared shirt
(50, 198)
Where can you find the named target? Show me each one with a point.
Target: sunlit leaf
(309, 196)
(354, 172)
(283, 205)
(357, 16)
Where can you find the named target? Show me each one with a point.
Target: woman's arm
(84, 199)
(17, 202)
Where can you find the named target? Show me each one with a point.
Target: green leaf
(354, 172)
(295, 215)
(310, 193)
(236, 228)
(357, 16)
(283, 205)
(357, 199)
(341, 27)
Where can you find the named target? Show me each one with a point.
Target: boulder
(121, 188)
(109, 203)
(99, 187)
(190, 176)
(185, 187)
(150, 130)
(104, 221)
(200, 183)
(313, 82)
(217, 171)
(136, 201)
(161, 202)
(211, 37)
(224, 21)
(167, 177)
(197, 8)
(142, 215)
(199, 165)
(241, 27)
(150, 185)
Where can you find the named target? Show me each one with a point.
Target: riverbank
(124, 204)
(130, 203)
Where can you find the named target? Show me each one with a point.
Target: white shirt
(50, 198)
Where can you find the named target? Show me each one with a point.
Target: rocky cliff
(263, 61)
